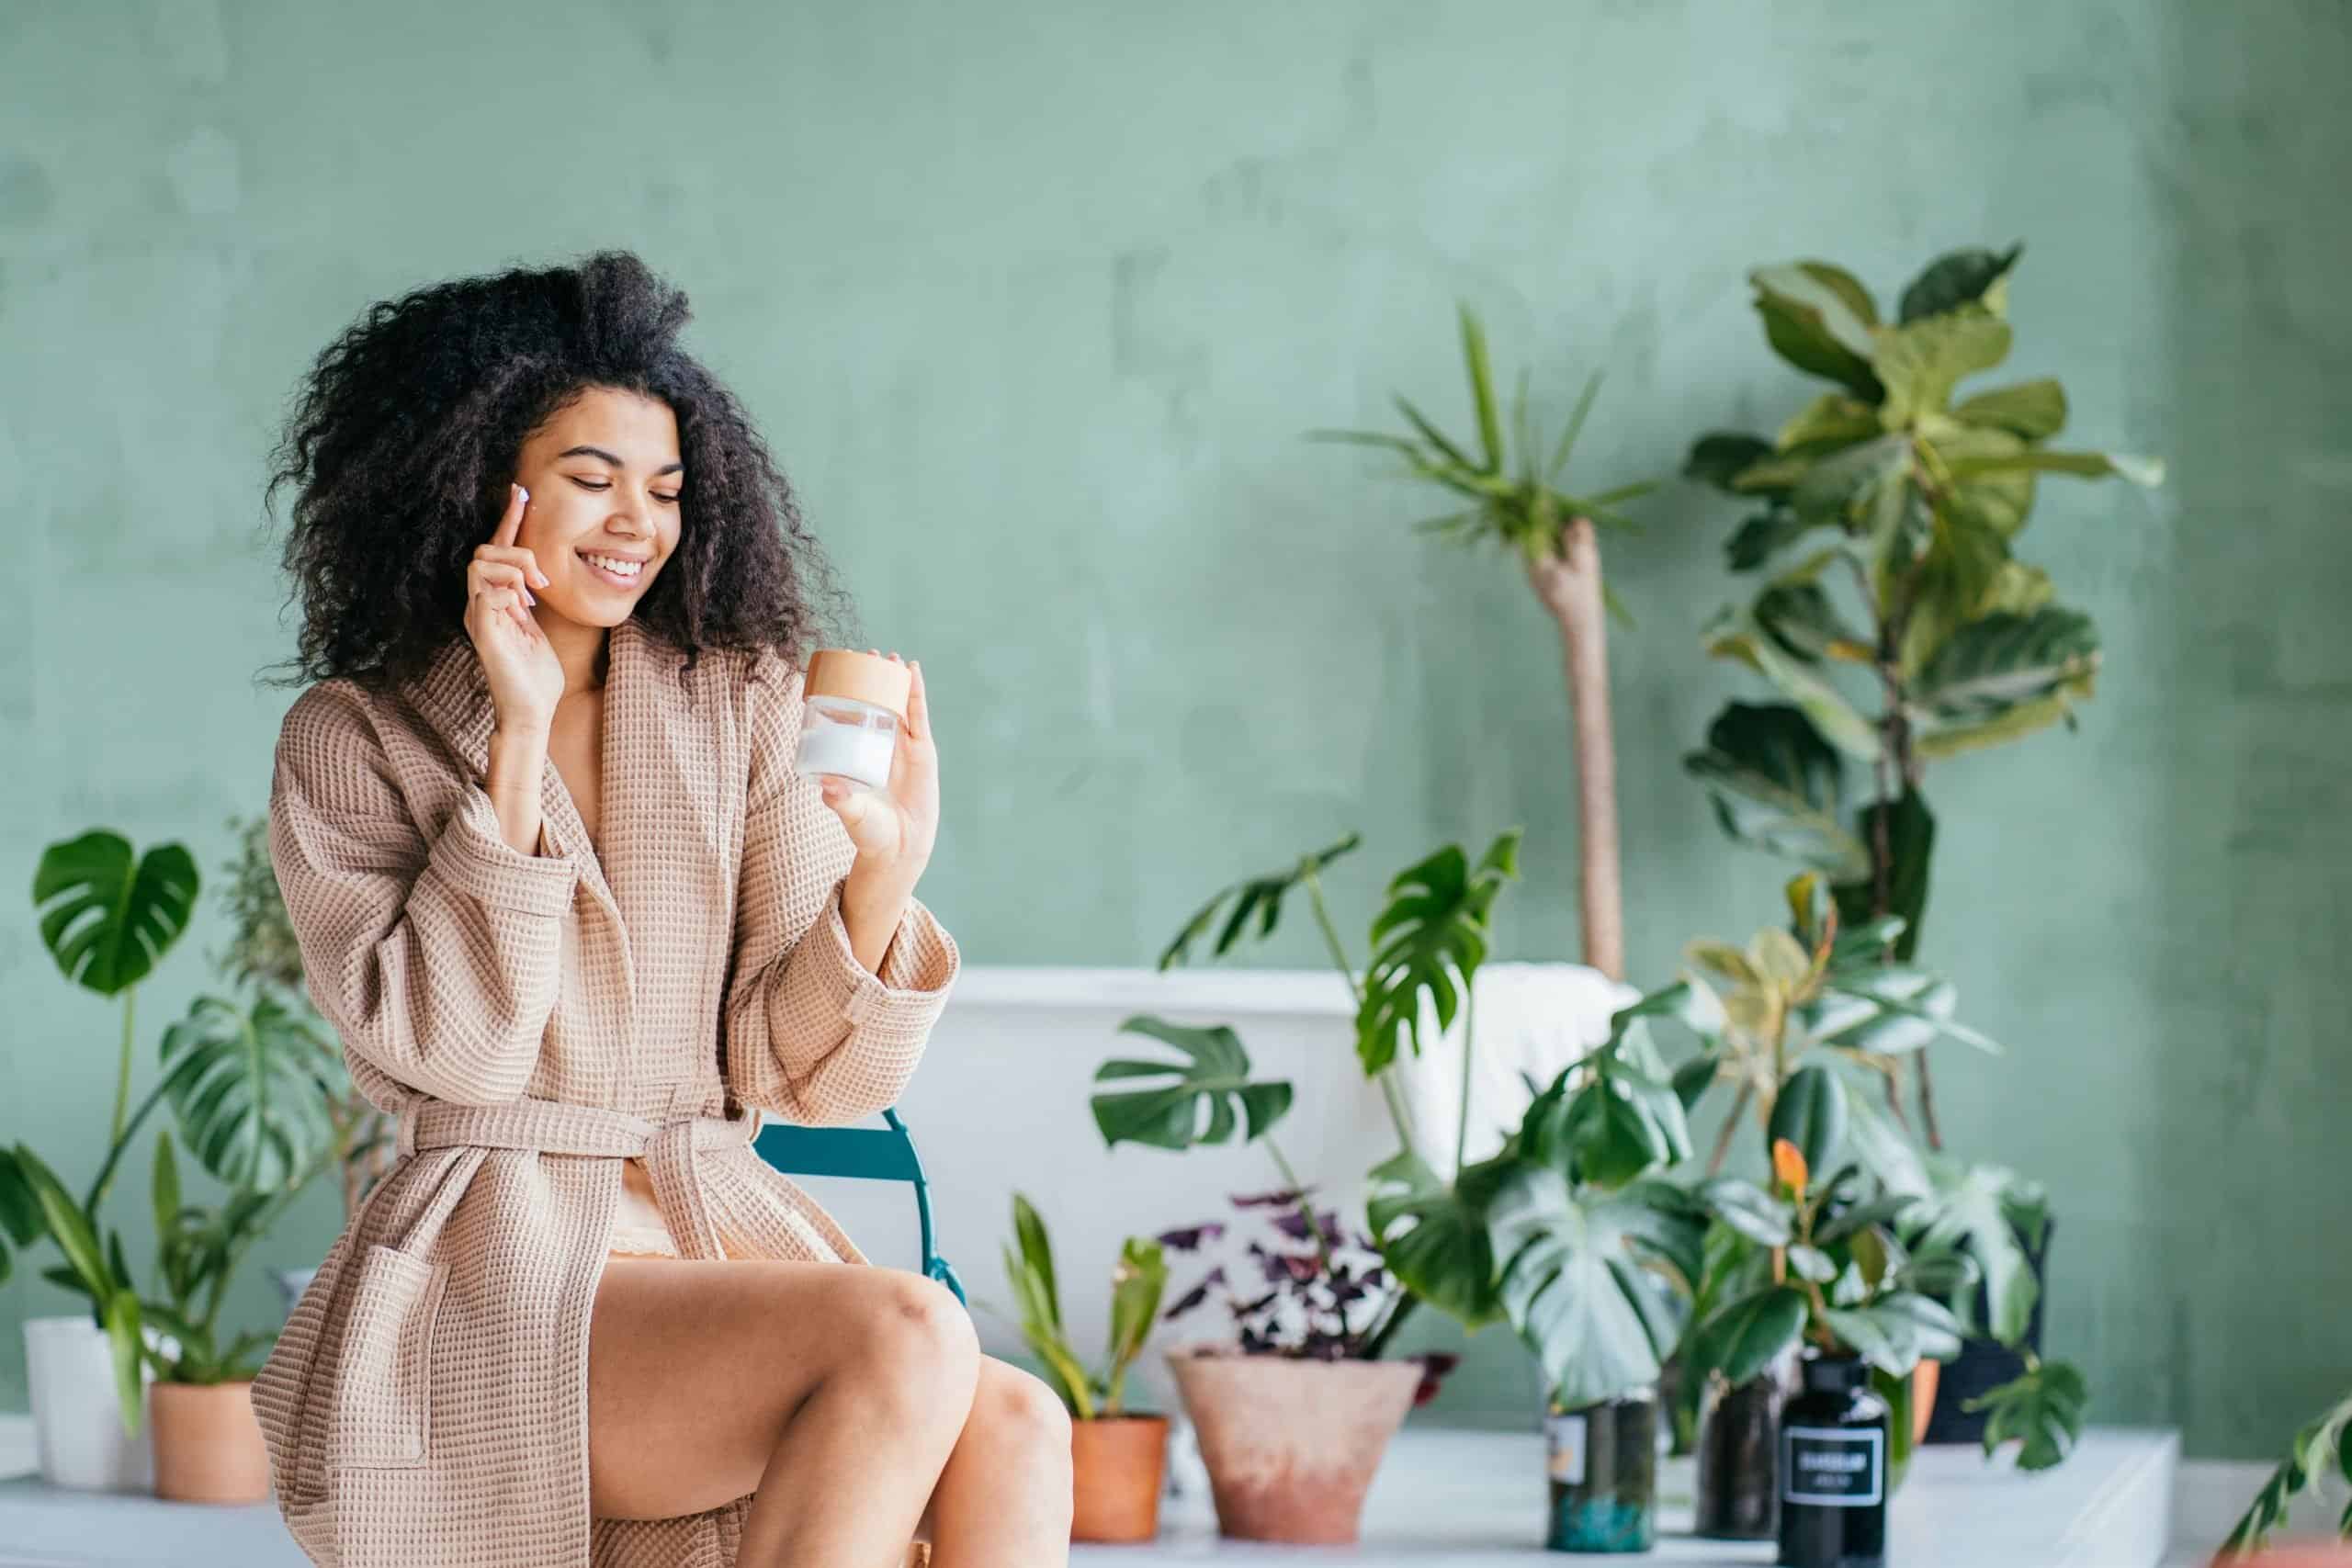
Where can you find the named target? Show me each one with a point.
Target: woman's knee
(1025, 1422)
(914, 1331)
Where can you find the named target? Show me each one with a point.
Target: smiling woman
(547, 566)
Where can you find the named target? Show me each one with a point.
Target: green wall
(1036, 302)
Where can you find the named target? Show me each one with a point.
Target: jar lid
(863, 677)
(1833, 1373)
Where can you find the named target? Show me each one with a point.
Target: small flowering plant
(1307, 1289)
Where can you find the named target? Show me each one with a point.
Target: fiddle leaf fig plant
(1894, 615)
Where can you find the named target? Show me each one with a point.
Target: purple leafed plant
(1311, 1291)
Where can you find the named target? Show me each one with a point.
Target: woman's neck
(581, 650)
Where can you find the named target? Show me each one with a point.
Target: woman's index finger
(511, 524)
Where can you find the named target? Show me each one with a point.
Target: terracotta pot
(208, 1442)
(1924, 1379)
(1291, 1445)
(1116, 1464)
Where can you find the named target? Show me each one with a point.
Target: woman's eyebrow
(607, 457)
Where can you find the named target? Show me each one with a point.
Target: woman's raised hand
(894, 829)
(525, 677)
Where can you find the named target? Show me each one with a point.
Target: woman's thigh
(694, 1366)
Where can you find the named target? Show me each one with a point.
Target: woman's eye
(667, 500)
(583, 484)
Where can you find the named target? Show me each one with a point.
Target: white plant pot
(78, 1419)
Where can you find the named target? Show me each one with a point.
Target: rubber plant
(1511, 489)
(1860, 1232)
(1893, 612)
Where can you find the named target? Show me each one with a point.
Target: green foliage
(2043, 1410)
(108, 916)
(1201, 1104)
(251, 1089)
(2318, 1452)
(1511, 491)
(1258, 896)
(1137, 1285)
(1433, 927)
(1909, 500)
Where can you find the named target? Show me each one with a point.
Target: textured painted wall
(1036, 302)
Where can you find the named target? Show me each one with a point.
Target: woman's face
(604, 479)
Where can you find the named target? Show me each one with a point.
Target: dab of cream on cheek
(850, 718)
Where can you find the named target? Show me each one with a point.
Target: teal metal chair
(863, 1153)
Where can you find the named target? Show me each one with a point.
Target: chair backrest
(863, 1153)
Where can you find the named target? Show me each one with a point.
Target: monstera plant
(1893, 612)
(1427, 942)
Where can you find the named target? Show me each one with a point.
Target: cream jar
(853, 706)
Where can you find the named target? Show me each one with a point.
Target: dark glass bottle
(1739, 1482)
(1833, 1467)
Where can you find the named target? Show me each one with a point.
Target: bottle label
(1564, 1448)
(1832, 1466)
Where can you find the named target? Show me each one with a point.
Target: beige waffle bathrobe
(534, 1019)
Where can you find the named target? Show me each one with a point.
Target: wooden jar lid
(865, 677)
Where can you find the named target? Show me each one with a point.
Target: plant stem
(1306, 1204)
(1569, 586)
(1400, 1113)
(122, 1073)
(1462, 1122)
(1730, 1127)
(1405, 1302)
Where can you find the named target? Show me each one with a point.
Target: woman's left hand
(894, 829)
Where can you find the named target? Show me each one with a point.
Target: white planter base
(77, 1420)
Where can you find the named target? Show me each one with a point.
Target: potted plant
(1886, 515)
(1295, 1410)
(1427, 942)
(248, 1088)
(108, 916)
(1118, 1456)
(1596, 1260)
(1788, 1020)
(1512, 500)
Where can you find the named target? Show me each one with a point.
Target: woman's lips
(614, 579)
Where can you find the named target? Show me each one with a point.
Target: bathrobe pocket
(381, 1408)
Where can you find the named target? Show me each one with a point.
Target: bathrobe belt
(559, 1127)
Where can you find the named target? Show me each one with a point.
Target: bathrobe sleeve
(809, 1033)
(435, 959)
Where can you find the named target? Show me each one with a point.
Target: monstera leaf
(1583, 1281)
(1432, 929)
(108, 918)
(1776, 784)
(1200, 1105)
(252, 1089)
(1259, 896)
(1444, 1255)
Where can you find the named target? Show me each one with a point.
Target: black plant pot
(1984, 1364)
(1602, 1461)
(1738, 1494)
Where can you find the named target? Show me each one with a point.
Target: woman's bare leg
(832, 1391)
(1004, 1499)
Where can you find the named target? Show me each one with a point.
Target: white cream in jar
(853, 707)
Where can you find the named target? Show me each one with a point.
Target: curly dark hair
(407, 429)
